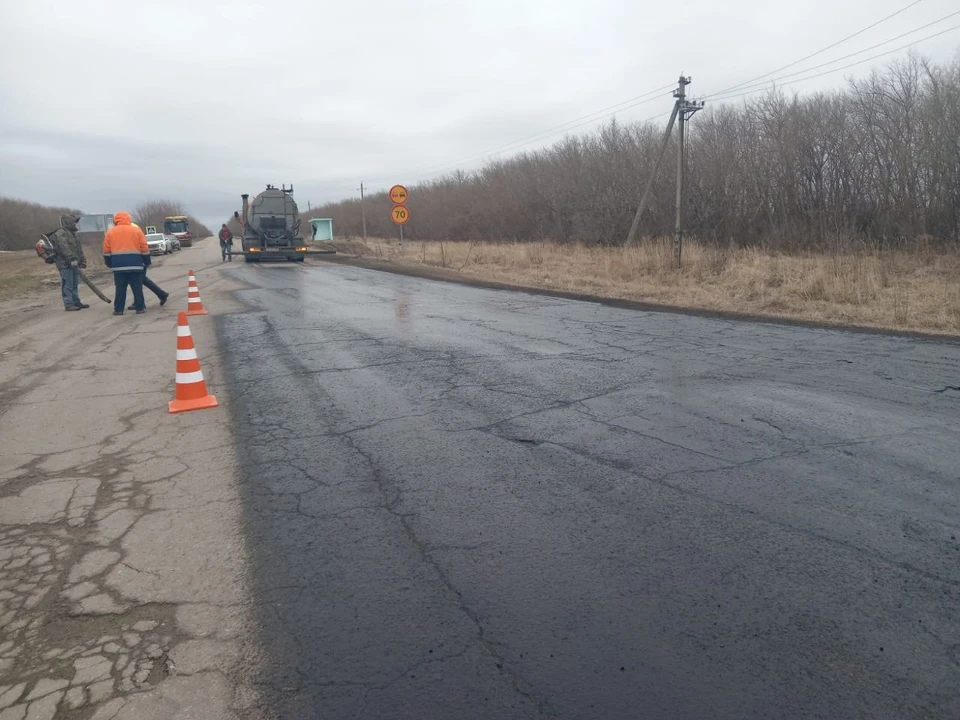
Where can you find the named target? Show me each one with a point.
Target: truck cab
(178, 226)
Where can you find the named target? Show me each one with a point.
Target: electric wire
(818, 52)
(843, 67)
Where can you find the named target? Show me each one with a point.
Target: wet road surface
(475, 504)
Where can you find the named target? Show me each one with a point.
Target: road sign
(151, 229)
(398, 194)
(400, 214)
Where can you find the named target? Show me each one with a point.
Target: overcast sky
(109, 102)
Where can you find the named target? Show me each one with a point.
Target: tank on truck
(271, 226)
(241, 217)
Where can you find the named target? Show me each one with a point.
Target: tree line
(22, 222)
(877, 161)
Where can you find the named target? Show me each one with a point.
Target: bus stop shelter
(322, 229)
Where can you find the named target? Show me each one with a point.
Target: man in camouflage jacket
(69, 258)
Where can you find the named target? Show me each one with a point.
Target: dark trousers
(135, 280)
(153, 287)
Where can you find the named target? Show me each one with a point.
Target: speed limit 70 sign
(400, 214)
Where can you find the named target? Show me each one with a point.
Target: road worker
(125, 251)
(69, 258)
(226, 243)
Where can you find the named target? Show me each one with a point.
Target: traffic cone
(191, 391)
(194, 304)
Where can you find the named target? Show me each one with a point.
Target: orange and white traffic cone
(194, 304)
(191, 391)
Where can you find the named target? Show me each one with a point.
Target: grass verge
(22, 272)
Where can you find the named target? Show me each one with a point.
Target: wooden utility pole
(363, 213)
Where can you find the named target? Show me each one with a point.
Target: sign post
(400, 213)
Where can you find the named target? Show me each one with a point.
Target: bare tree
(877, 161)
(22, 222)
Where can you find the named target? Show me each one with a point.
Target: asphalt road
(475, 504)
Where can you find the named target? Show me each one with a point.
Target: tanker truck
(271, 226)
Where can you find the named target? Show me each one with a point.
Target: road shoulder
(123, 587)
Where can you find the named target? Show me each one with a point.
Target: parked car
(159, 244)
(174, 242)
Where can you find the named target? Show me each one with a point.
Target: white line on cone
(189, 378)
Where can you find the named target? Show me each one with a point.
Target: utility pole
(682, 109)
(685, 110)
(681, 95)
(653, 176)
(363, 213)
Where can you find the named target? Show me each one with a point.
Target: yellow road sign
(400, 214)
(398, 194)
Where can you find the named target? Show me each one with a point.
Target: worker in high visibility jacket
(125, 251)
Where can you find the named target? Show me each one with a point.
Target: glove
(74, 264)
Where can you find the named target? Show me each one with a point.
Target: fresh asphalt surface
(465, 503)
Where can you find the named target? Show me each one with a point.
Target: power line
(568, 126)
(818, 52)
(563, 127)
(853, 54)
(845, 67)
(574, 127)
(719, 95)
(517, 146)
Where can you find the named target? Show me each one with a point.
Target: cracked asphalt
(463, 503)
(123, 568)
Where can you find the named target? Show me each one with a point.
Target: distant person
(314, 237)
(226, 243)
(125, 251)
(69, 258)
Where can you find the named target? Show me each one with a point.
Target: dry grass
(896, 290)
(23, 272)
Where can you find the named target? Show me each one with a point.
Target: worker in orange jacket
(125, 251)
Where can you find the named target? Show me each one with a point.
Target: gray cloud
(109, 103)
